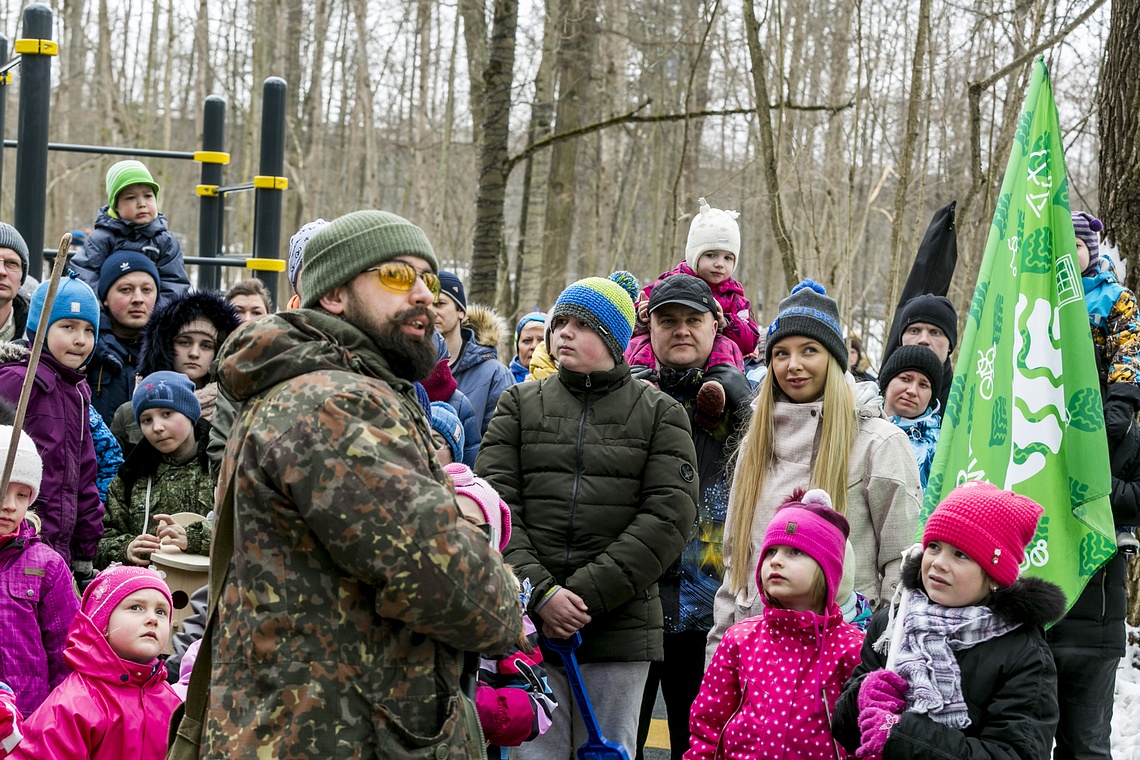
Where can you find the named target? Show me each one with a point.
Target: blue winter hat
(74, 299)
(603, 305)
(446, 422)
(121, 263)
(167, 390)
(451, 285)
(810, 312)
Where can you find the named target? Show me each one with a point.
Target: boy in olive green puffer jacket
(599, 471)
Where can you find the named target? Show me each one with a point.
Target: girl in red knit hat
(969, 673)
(775, 678)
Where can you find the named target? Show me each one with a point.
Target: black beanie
(917, 359)
(932, 310)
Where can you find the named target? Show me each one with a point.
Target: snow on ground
(1126, 707)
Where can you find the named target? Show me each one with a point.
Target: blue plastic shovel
(596, 746)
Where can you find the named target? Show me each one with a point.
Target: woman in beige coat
(807, 432)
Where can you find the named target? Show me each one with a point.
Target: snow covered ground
(1126, 709)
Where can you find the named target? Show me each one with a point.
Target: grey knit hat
(10, 237)
(810, 312)
(349, 244)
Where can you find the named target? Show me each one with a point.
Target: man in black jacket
(682, 329)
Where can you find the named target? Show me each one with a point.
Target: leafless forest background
(539, 141)
(866, 125)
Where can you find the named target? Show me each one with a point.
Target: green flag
(1024, 411)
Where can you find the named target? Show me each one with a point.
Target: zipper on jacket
(577, 480)
(733, 714)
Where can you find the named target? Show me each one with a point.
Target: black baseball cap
(683, 289)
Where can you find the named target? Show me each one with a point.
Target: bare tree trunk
(532, 224)
(910, 138)
(475, 37)
(489, 250)
(767, 146)
(1119, 101)
(366, 110)
(575, 59)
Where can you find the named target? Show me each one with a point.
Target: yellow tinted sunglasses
(401, 277)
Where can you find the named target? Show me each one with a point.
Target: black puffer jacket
(600, 473)
(1095, 623)
(1009, 684)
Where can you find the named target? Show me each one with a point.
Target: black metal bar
(267, 202)
(32, 151)
(111, 150)
(235, 188)
(4, 97)
(210, 208)
(206, 261)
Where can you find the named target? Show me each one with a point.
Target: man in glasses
(354, 584)
(472, 339)
(13, 271)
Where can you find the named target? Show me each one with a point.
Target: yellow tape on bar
(207, 191)
(266, 182)
(36, 47)
(265, 265)
(212, 157)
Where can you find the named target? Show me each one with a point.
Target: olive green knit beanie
(348, 245)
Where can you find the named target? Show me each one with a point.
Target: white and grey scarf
(931, 635)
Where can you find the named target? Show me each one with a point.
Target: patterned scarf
(931, 635)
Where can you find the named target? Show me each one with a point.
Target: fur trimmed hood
(13, 352)
(490, 329)
(157, 352)
(1029, 601)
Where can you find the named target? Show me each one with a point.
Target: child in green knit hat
(131, 221)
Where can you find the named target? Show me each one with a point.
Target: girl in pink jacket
(711, 254)
(116, 703)
(775, 678)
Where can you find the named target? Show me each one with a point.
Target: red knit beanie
(990, 525)
(115, 584)
(807, 522)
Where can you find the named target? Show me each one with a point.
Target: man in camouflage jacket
(354, 583)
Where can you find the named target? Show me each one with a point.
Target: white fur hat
(28, 468)
(713, 229)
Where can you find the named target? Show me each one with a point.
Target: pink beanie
(115, 584)
(807, 522)
(990, 525)
(496, 511)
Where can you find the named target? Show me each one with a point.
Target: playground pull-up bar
(34, 51)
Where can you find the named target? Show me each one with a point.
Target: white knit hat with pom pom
(713, 229)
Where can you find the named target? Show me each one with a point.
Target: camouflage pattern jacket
(354, 584)
(148, 484)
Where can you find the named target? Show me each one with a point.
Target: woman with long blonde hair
(808, 432)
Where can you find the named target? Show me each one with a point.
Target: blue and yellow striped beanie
(603, 305)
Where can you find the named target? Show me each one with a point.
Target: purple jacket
(35, 614)
(57, 420)
(736, 340)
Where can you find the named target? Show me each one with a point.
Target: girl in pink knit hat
(116, 703)
(512, 696)
(969, 673)
(775, 678)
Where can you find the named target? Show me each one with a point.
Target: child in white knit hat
(711, 253)
(41, 600)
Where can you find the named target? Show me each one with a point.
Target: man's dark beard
(409, 357)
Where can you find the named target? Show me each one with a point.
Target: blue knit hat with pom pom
(810, 312)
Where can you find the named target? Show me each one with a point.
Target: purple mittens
(882, 699)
